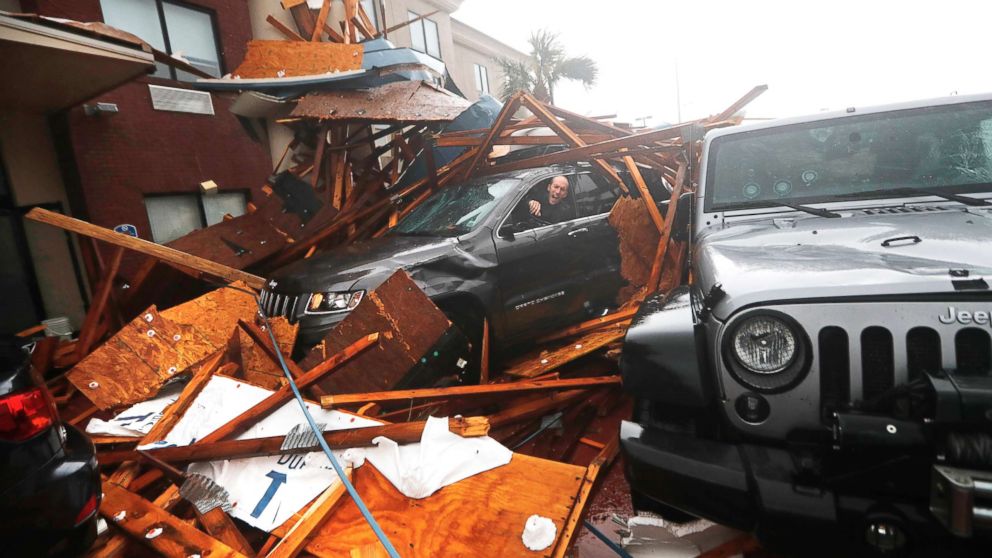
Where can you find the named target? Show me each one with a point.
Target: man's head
(557, 190)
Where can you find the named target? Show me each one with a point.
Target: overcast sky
(813, 56)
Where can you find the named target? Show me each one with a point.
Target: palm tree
(547, 66)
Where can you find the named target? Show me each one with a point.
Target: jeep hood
(816, 258)
(362, 265)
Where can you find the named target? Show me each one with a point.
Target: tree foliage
(547, 65)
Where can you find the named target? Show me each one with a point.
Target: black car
(477, 252)
(49, 479)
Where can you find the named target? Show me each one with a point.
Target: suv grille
(278, 304)
(876, 371)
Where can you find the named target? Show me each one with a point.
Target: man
(554, 209)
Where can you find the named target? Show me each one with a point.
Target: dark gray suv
(826, 378)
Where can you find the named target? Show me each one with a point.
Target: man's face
(557, 190)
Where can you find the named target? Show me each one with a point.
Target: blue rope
(599, 535)
(323, 443)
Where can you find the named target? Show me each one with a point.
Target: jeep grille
(278, 304)
(877, 366)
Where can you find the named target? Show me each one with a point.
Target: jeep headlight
(333, 301)
(764, 345)
(766, 351)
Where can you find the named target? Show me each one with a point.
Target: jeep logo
(953, 315)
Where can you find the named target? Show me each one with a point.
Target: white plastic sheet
(137, 420)
(264, 491)
(441, 458)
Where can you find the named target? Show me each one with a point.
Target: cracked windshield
(943, 149)
(456, 209)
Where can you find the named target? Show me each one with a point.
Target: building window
(369, 7)
(481, 79)
(175, 215)
(177, 29)
(424, 35)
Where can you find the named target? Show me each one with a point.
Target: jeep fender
(660, 360)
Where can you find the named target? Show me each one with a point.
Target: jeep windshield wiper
(909, 191)
(811, 210)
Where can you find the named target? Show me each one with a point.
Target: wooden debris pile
(351, 173)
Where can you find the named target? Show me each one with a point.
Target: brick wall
(120, 158)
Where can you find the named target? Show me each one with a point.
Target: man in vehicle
(554, 208)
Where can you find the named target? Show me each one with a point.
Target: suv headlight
(333, 301)
(766, 351)
(764, 345)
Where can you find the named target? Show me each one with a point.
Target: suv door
(594, 241)
(538, 272)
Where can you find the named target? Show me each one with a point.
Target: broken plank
(601, 462)
(591, 325)
(330, 401)
(401, 433)
(547, 361)
(288, 33)
(158, 251)
(245, 420)
(156, 528)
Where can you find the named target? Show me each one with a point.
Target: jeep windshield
(456, 209)
(939, 151)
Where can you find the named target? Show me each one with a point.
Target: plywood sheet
(133, 364)
(398, 102)
(482, 515)
(274, 59)
(410, 324)
(256, 366)
(216, 314)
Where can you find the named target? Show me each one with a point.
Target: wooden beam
(590, 325)
(87, 333)
(740, 103)
(245, 420)
(594, 150)
(666, 232)
(642, 187)
(318, 27)
(540, 110)
(402, 433)
(405, 23)
(501, 120)
(163, 253)
(303, 530)
(286, 32)
(156, 528)
(330, 401)
(484, 354)
(536, 408)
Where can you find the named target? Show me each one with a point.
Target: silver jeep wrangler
(826, 377)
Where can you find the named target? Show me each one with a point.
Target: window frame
(423, 26)
(164, 27)
(199, 195)
(482, 77)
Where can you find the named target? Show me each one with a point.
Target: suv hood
(362, 265)
(813, 257)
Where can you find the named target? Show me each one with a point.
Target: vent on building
(181, 100)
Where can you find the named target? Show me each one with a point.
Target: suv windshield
(940, 149)
(456, 209)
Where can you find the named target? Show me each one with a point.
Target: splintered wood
(278, 59)
(410, 325)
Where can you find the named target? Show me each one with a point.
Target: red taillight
(23, 415)
(88, 508)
